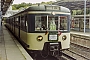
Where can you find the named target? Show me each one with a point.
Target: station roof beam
(5, 5)
(73, 5)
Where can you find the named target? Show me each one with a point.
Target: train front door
(19, 28)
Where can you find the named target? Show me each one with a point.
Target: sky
(30, 1)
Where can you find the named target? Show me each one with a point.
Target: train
(43, 29)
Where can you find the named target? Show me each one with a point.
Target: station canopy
(73, 4)
(5, 5)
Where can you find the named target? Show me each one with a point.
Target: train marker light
(53, 13)
(59, 33)
(64, 37)
(39, 38)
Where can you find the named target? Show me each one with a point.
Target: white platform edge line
(23, 51)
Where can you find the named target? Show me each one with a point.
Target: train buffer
(10, 48)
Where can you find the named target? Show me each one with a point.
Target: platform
(80, 33)
(10, 48)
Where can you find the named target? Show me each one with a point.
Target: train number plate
(52, 37)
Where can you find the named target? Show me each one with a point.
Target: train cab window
(40, 23)
(53, 22)
(63, 23)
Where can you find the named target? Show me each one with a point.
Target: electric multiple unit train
(42, 28)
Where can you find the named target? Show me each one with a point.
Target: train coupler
(54, 49)
(54, 46)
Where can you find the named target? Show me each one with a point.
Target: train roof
(45, 8)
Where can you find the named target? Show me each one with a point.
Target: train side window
(16, 22)
(25, 22)
(22, 23)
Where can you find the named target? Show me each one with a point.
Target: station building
(77, 23)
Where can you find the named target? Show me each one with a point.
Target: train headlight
(39, 38)
(64, 37)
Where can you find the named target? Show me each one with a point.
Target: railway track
(78, 52)
(67, 57)
(63, 57)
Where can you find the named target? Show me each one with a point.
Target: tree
(25, 5)
(14, 8)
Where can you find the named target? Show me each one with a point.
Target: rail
(82, 40)
(67, 56)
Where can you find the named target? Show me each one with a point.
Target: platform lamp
(84, 15)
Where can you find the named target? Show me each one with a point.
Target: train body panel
(7, 25)
(16, 31)
(13, 29)
(23, 36)
(65, 43)
(33, 41)
(34, 44)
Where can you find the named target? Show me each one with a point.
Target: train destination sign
(52, 37)
(52, 8)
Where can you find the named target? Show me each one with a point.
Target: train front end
(49, 30)
(52, 34)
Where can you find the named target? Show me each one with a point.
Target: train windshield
(51, 23)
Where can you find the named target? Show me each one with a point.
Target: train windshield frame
(52, 22)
